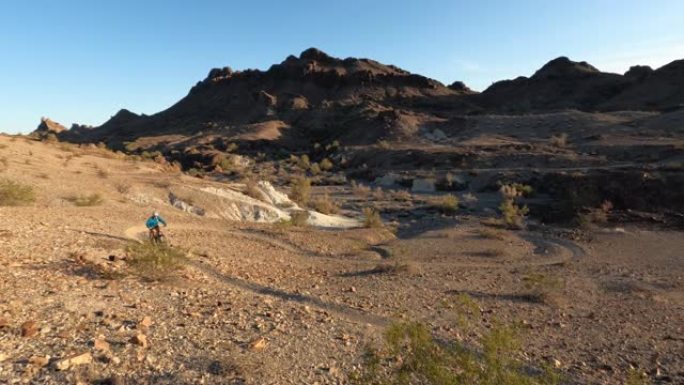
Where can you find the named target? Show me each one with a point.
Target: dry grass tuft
(93, 199)
(15, 194)
(325, 205)
(300, 190)
(372, 218)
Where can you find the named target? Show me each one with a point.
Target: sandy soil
(268, 304)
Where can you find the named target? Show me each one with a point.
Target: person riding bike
(153, 225)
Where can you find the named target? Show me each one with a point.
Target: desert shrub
(15, 194)
(402, 195)
(447, 204)
(560, 140)
(326, 164)
(359, 189)
(43, 175)
(491, 234)
(512, 214)
(226, 164)
(411, 355)
(151, 155)
(252, 189)
(154, 262)
(300, 190)
(298, 218)
(198, 173)
(93, 199)
(371, 218)
(540, 287)
(325, 205)
(303, 162)
(636, 377)
(385, 145)
(315, 169)
(122, 188)
(515, 190)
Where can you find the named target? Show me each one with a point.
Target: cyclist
(153, 225)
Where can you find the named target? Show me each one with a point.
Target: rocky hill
(310, 97)
(316, 98)
(564, 84)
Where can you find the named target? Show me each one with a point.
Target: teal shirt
(153, 222)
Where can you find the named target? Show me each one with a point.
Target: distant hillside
(319, 98)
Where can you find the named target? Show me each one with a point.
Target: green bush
(543, 288)
(513, 215)
(154, 262)
(15, 194)
(410, 355)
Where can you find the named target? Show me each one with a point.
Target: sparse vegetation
(371, 218)
(15, 194)
(123, 188)
(325, 205)
(540, 287)
(252, 189)
(402, 195)
(326, 164)
(560, 140)
(93, 199)
(636, 377)
(154, 262)
(198, 173)
(411, 355)
(447, 204)
(298, 218)
(597, 215)
(315, 169)
(359, 189)
(512, 214)
(226, 164)
(383, 144)
(488, 233)
(300, 190)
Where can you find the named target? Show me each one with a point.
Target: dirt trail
(352, 314)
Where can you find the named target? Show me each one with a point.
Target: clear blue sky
(81, 61)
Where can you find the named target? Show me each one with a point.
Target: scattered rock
(3, 323)
(146, 322)
(101, 344)
(81, 359)
(258, 345)
(140, 340)
(39, 361)
(29, 329)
